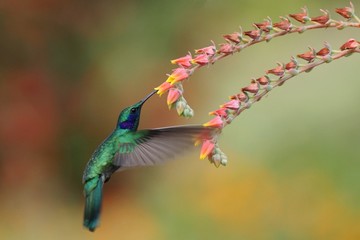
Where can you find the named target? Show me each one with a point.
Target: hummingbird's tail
(93, 195)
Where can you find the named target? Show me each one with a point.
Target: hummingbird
(127, 147)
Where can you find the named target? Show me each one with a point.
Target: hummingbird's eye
(133, 110)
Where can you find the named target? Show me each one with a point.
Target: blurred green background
(67, 68)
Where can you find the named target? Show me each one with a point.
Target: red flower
(323, 52)
(346, 12)
(285, 24)
(216, 122)
(308, 56)
(173, 95)
(278, 71)
(233, 104)
(177, 75)
(206, 148)
(254, 34)
(242, 97)
(219, 112)
(323, 19)
(252, 88)
(226, 48)
(264, 80)
(201, 59)
(265, 26)
(183, 61)
(350, 44)
(210, 50)
(301, 17)
(233, 37)
(290, 65)
(163, 88)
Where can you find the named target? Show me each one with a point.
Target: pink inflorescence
(261, 86)
(258, 87)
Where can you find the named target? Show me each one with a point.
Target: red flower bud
(323, 19)
(350, 44)
(308, 56)
(183, 61)
(233, 104)
(264, 80)
(201, 59)
(278, 71)
(346, 12)
(323, 52)
(254, 34)
(252, 88)
(242, 97)
(233, 37)
(265, 26)
(301, 17)
(226, 48)
(290, 65)
(219, 112)
(206, 148)
(216, 122)
(210, 50)
(285, 24)
(173, 95)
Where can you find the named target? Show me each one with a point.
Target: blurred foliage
(68, 67)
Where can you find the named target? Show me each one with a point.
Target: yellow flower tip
(165, 86)
(216, 122)
(222, 112)
(157, 90)
(203, 155)
(183, 61)
(178, 74)
(171, 80)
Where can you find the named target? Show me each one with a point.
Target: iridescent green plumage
(128, 147)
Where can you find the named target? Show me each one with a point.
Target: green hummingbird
(127, 147)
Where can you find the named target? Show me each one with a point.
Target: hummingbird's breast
(101, 160)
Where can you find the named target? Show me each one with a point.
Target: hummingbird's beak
(148, 96)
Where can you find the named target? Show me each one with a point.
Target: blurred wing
(155, 146)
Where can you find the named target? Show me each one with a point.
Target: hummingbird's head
(129, 117)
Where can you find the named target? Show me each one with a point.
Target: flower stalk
(239, 40)
(273, 78)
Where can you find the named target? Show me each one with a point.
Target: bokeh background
(67, 68)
